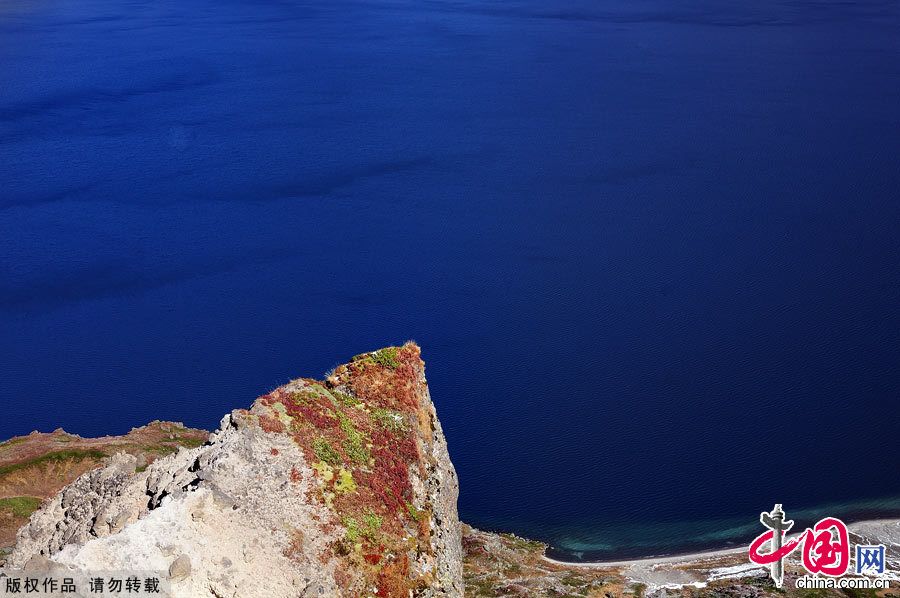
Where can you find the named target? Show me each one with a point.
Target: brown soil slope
(37, 466)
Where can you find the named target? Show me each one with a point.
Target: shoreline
(652, 560)
(853, 527)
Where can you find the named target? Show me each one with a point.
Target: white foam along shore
(654, 560)
(876, 531)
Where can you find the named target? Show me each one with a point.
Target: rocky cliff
(340, 487)
(35, 467)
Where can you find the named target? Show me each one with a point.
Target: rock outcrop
(37, 466)
(341, 487)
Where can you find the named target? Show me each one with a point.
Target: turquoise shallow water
(634, 539)
(649, 247)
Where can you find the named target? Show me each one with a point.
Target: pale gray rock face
(215, 520)
(237, 517)
(441, 486)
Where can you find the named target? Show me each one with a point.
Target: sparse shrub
(393, 456)
(345, 399)
(372, 523)
(389, 420)
(303, 397)
(357, 452)
(190, 442)
(414, 513)
(353, 530)
(354, 445)
(325, 452)
(386, 357)
(393, 385)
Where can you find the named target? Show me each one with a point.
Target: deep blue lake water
(650, 248)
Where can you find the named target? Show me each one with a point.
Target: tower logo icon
(826, 546)
(777, 525)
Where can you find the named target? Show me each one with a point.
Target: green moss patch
(371, 525)
(392, 421)
(344, 482)
(325, 452)
(355, 442)
(345, 399)
(518, 543)
(53, 457)
(20, 506)
(414, 513)
(387, 357)
(188, 442)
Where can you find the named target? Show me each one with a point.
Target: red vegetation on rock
(392, 579)
(373, 559)
(364, 427)
(342, 579)
(310, 407)
(393, 454)
(388, 387)
(270, 424)
(295, 547)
